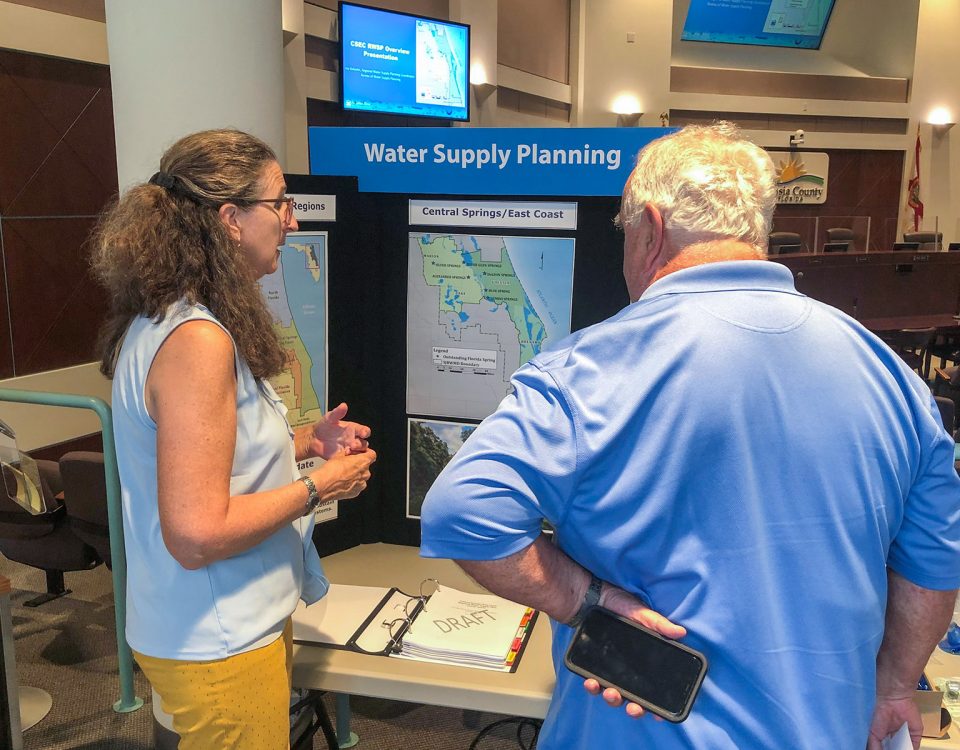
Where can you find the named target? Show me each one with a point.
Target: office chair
(945, 347)
(837, 235)
(946, 383)
(948, 414)
(43, 541)
(929, 241)
(85, 499)
(911, 345)
(779, 240)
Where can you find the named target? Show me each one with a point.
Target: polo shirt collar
(724, 276)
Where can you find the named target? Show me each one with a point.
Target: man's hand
(916, 619)
(619, 601)
(889, 715)
(331, 436)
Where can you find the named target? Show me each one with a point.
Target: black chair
(929, 241)
(837, 237)
(946, 384)
(911, 344)
(948, 414)
(308, 716)
(313, 718)
(85, 498)
(44, 541)
(945, 347)
(781, 243)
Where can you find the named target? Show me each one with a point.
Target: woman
(217, 525)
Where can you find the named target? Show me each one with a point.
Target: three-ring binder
(382, 630)
(381, 622)
(398, 626)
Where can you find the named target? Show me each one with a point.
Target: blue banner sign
(481, 161)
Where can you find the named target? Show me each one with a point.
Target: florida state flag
(913, 188)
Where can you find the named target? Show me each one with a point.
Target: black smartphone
(661, 675)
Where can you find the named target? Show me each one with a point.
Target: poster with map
(296, 295)
(478, 307)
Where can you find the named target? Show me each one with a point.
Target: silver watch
(313, 496)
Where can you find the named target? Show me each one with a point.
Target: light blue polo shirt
(748, 461)
(231, 605)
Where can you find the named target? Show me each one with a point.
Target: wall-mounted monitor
(771, 23)
(403, 64)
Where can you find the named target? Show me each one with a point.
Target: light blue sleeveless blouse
(232, 605)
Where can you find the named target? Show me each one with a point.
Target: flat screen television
(403, 64)
(770, 23)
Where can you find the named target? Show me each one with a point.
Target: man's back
(741, 457)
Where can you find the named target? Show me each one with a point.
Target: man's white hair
(708, 182)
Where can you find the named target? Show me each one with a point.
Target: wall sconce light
(941, 120)
(628, 111)
(483, 90)
(478, 82)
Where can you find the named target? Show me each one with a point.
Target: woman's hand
(329, 436)
(344, 476)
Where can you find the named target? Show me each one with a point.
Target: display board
(436, 298)
(321, 280)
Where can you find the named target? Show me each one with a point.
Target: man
(737, 464)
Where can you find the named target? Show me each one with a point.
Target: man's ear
(654, 248)
(229, 216)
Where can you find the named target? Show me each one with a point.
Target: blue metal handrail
(128, 701)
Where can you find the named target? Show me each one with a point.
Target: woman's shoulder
(182, 320)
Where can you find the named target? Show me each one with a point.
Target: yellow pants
(238, 703)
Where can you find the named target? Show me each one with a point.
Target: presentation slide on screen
(404, 64)
(776, 23)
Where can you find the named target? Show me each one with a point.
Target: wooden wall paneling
(6, 343)
(860, 183)
(59, 170)
(56, 308)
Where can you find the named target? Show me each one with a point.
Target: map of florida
(293, 384)
(464, 278)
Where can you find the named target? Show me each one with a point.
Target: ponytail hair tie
(163, 179)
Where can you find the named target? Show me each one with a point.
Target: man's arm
(916, 620)
(543, 577)
(539, 576)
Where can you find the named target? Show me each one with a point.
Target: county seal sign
(801, 177)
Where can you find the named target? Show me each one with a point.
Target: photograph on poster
(430, 446)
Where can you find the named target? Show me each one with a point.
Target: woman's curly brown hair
(158, 245)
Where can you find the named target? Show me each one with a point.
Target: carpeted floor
(68, 648)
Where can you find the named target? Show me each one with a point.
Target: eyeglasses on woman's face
(283, 206)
